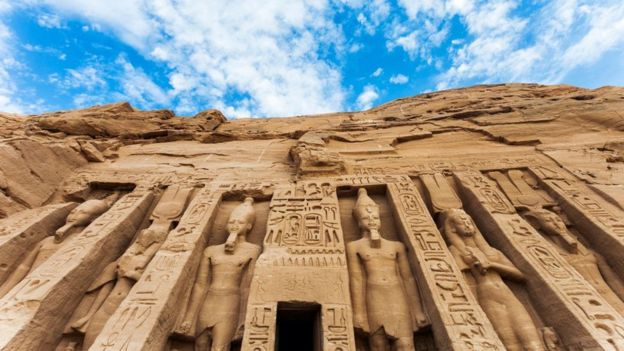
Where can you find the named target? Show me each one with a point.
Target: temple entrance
(298, 327)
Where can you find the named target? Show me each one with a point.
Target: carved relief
(21, 232)
(157, 294)
(557, 288)
(68, 272)
(217, 297)
(113, 285)
(590, 265)
(78, 218)
(303, 217)
(486, 264)
(591, 215)
(386, 301)
(458, 321)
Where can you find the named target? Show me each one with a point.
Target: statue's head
(458, 221)
(239, 223)
(366, 213)
(550, 224)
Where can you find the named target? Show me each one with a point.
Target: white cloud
(267, 52)
(368, 96)
(399, 79)
(49, 21)
(378, 72)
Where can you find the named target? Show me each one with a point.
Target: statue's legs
(524, 326)
(116, 297)
(405, 344)
(379, 341)
(222, 335)
(202, 341)
(499, 316)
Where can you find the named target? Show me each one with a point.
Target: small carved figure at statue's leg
(404, 344)
(499, 316)
(71, 346)
(117, 295)
(525, 328)
(203, 341)
(379, 341)
(222, 335)
(81, 324)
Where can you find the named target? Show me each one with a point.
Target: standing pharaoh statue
(591, 266)
(113, 285)
(217, 299)
(386, 302)
(77, 219)
(511, 320)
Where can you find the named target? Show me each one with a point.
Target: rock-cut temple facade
(485, 218)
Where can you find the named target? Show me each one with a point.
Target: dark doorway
(298, 327)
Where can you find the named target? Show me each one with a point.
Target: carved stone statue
(511, 320)
(592, 267)
(79, 217)
(217, 299)
(118, 278)
(386, 301)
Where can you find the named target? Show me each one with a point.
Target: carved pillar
(458, 321)
(581, 316)
(148, 315)
(23, 230)
(33, 313)
(588, 213)
(304, 261)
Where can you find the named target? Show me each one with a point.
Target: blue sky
(289, 57)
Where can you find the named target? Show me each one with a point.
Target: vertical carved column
(303, 260)
(23, 230)
(33, 313)
(581, 316)
(148, 315)
(588, 213)
(458, 321)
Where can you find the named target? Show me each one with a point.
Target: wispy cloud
(399, 79)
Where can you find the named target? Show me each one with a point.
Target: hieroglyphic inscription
(23, 230)
(149, 313)
(601, 226)
(335, 327)
(48, 295)
(558, 289)
(304, 216)
(458, 321)
(260, 332)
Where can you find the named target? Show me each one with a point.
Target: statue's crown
(245, 210)
(364, 203)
